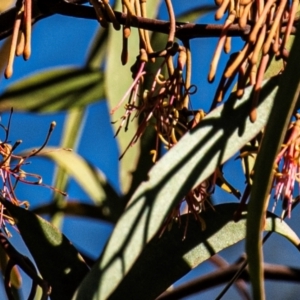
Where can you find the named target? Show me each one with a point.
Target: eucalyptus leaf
(155, 269)
(4, 52)
(15, 276)
(284, 106)
(78, 208)
(148, 140)
(73, 125)
(57, 260)
(195, 157)
(98, 49)
(92, 180)
(54, 90)
(276, 66)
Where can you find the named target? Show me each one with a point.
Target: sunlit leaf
(54, 90)
(71, 134)
(15, 276)
(73, 126)
(277, 65)
(158, 40)
(57, 260)
(92, 180)
(195, 157)
(6, 4)
(284, 106)
(248, 155)
(168, 258)
(4, 51)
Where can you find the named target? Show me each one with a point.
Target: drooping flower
(265, 41)
(21, 36)
(12, 173)
(288, 168)
(163, 104)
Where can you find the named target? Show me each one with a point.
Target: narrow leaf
(88, 177)
(92, 180)
(15, 276)
(277, 65)
(57, 260)
(77, 208)
(98, 49)
(54, 90)
(195, 157)
(148, 139)
(4, 52)
(284, 105)
(144, 163)
(73, 125)
(160, 270)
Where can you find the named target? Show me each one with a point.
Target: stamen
(35, 152)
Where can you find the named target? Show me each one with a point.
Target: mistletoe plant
(174, 154)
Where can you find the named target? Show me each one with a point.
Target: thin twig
(245, 263)
(271, 272)
(42, 9)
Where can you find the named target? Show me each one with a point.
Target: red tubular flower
(288, 167)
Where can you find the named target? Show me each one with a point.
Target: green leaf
(160, 270)
(284, 105)
(148, 139)
(77, 208)
(117, 81)
(54, 90)
(98, 49)
(195, 157)
(92, 181)
(73, 125)
(277, 65)
(15, 276)
(57, 260)
(144, 163)
(4, 52)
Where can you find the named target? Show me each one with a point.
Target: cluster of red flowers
(288, 168)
